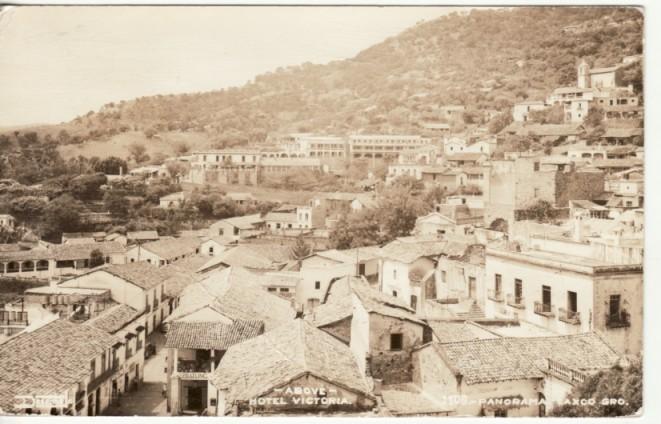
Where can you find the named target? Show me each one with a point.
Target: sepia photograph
(322, 211)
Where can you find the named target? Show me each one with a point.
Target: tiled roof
(458, 331)
(173, 247)
(211, 335)
(412, 402)
(49, 360)
(237, 294)
(405, 252)
(372, 300)
(17, 254)
(246, 222)
(334, 310)
(141, 274)
(289, 217)
(252, 256)
(277, 357)
(506, 359)
(68, 252)
(114, 319)
(142, 235)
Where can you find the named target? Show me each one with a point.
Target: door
(472, 288)
(195, 398)
(97, 402)
(546, 299)
(572, 303)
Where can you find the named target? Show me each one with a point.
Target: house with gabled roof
(406, 263)
(139, 285)
(165, 250)
(293, 369)
(257, 257)
(60, 360)
(225, 308)
(319, 269)
(381, 330)
(238, 227)
(129, 326)
(509, 376)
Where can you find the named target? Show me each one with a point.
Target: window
(394, 293)
(546, 297)
(394, 274)
(498, 282)
(396, 341)
(210, 250)
(536, 166)
(236, 231)
(414, 302)
(271, 289)
(317, 285)
(361, 269)
(444, 276)
(572, 302)
(284, 290)
(220, 231)
(536, 194)
(93, 367)
(472, 288)
(518, 290)
(614, 307)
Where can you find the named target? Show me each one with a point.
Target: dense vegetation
(624, 384)
(484, 60)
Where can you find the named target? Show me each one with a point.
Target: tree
(112, 165)
(541, 211)
(594, 118)
(61, 215)
(181, 148)
(96, 258)
(398, 210)
(87, 187)
(224, 208)
(622, 382)
(138, 152)
(301, 249)
(116, 203)
(499, 122)
(356, 230)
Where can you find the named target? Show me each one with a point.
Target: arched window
(28, 266)
(42, 265)
(13, 267)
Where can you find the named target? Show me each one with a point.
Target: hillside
(484, 60)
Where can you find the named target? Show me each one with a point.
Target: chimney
(578, 229)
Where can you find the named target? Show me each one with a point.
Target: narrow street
(148, 399)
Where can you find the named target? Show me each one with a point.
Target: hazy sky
(59, 62)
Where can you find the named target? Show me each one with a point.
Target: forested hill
(485, 59)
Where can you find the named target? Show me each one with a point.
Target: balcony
(545, 309)
(193, 366)
(570, 317)
(99, 379)
(564, 373)
(496, 296)
(516, 302)
(620, 320)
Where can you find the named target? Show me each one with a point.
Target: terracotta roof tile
(49, 360)
(275, 358)
(211, 335)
